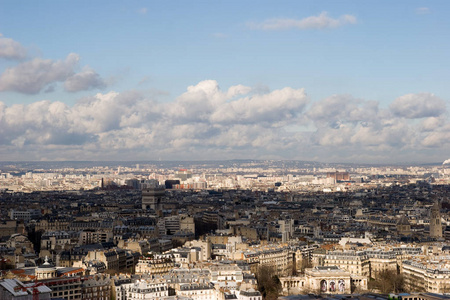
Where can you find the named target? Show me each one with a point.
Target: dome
(403, 221)
(46, 270)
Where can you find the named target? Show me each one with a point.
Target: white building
(198, 291)
(143, 289)
(327, 280)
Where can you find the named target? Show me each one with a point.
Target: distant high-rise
(339, 176)
(435, 221)
(183, 174)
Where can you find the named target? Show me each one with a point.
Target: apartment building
(143, 289)
(355, 262)
(428, 275)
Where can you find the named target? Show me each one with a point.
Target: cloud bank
(207, 122)
(322, 21)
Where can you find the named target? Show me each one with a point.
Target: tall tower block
(435, 221)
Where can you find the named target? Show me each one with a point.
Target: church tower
(435, 221)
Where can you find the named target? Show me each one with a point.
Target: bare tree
(388, 281)
(268, 282)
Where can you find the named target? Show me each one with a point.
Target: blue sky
(345, 55)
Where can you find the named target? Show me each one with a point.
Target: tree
(268, 282)
(388, 281)
(306, 263)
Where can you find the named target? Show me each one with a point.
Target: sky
(329, 81)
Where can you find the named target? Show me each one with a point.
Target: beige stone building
(381, 260)
(52, 225)
(96, 288)
(140, 246)
(281, 259)
(143, 289)
(428, 275)
(205, 248)
(116, 260)
(161, 264)
(323, 280)
(7, 228)
(355, 262)
(90, 236)
(198, 291)
(187, 223)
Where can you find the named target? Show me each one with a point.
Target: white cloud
(238, 90)
(322, 21)
(11, 49)
(197, 103)
(87, 79)
(355, 125)
(438, 138)
(207, 122)
(432, 123)
(32, 76)
(275, 107)
(414, 106)
(336, 108)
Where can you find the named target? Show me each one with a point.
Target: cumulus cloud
(322, 21)
(275, 107)
(437, 139)
(129, 121)
(11, 49)
(414, 106)
(206, 102)
(32, 76)
(351, 124)
(197, 103)
(432, 123)
(343, 107)
(237, 90)
(87, 79)
(208, 122)
(39, 123)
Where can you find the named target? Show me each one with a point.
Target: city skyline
(297, 80)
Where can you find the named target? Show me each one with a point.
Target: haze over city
(324, 81)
